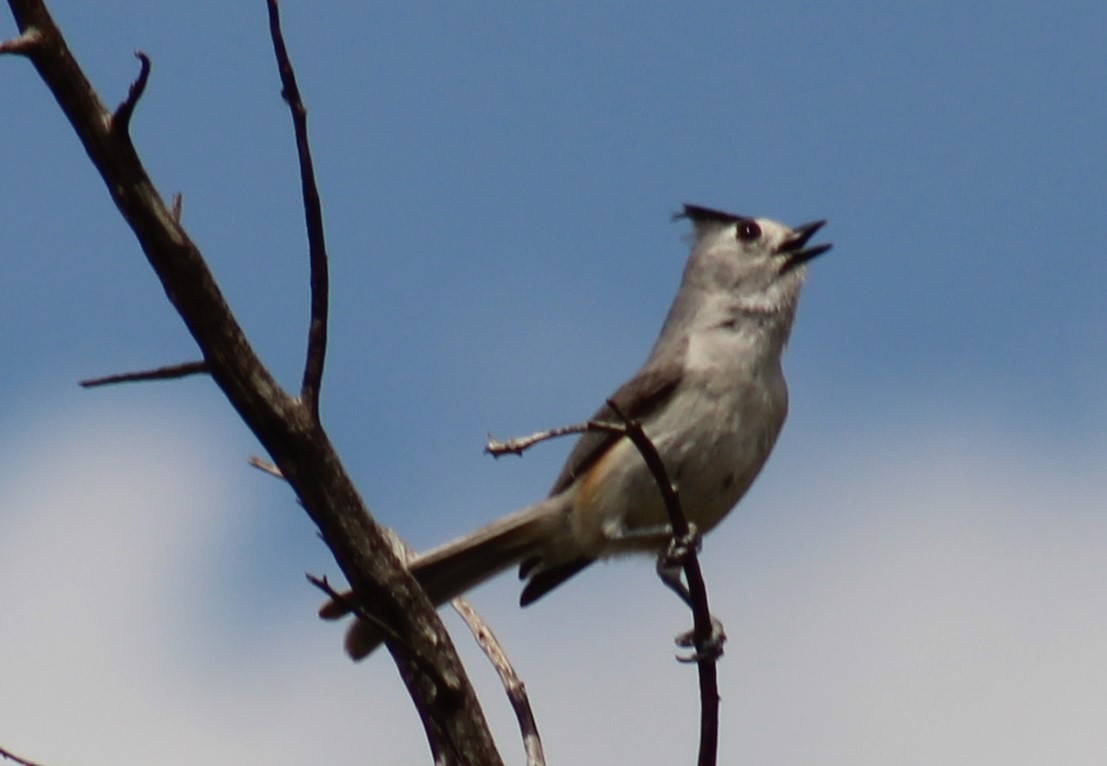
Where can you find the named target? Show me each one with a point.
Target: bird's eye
(748, 231)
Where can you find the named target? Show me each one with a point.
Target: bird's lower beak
(795, 249)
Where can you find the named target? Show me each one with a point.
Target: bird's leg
(670, 568)
(671, 571)
(670, 562)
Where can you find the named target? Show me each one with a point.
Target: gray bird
(711, 396)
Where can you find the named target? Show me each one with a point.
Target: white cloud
(930, 598)
(107, 654)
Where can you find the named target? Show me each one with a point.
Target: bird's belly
(712, 451)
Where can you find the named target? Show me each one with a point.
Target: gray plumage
(711, 396)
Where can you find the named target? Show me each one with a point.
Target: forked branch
(287, 426)
(313, 215)
(169, 372)
(703, 633)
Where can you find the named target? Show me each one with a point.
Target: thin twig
(342, 604)
(701, 612)
(313, 215)
(285, 425)
(121, 119)
(265, 467)
(350, 606)
(447, 687)
(520, 444)
(16, 759)
(513, 685)
(170, 372)
(703, 625)
(23, 44)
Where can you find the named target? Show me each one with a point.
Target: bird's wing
(640, 396)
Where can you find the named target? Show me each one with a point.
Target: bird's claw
(680, 548)
(711, 648)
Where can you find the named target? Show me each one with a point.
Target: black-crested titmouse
(711, 396)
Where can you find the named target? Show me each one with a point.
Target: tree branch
(683, 538)
(169, 372)
(121, 120)
(513, 685)
(703, 625)
(23, 44)
(520, 444)
(9, 756)
(313, 215)
(287, 428)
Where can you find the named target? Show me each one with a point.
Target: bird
(711, 396)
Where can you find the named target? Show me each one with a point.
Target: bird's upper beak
(795, 248)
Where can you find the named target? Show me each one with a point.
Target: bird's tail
(451, 569)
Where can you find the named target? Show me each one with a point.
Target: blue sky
(919, 574)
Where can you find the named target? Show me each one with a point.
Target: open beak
(795, 248)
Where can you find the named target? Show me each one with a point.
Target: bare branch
(341, 604)
(519, 444)
(451, 689)
(16, 759)
(513, 685)
(701, 612)
(170, 372)
(684, 540)
(350, 606)
(121, 119)
(313, 214)
(265, 467)
(23, 44)
(287, 427)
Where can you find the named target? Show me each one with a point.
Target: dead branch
(9, 756)
(169, 372)
(703, 635)
(23, 44)
(265, 467)
(313, 215)
(339, 605)
(121, 120)
(513, 685)
(683, 547)
(286, 426)
(520, 444)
